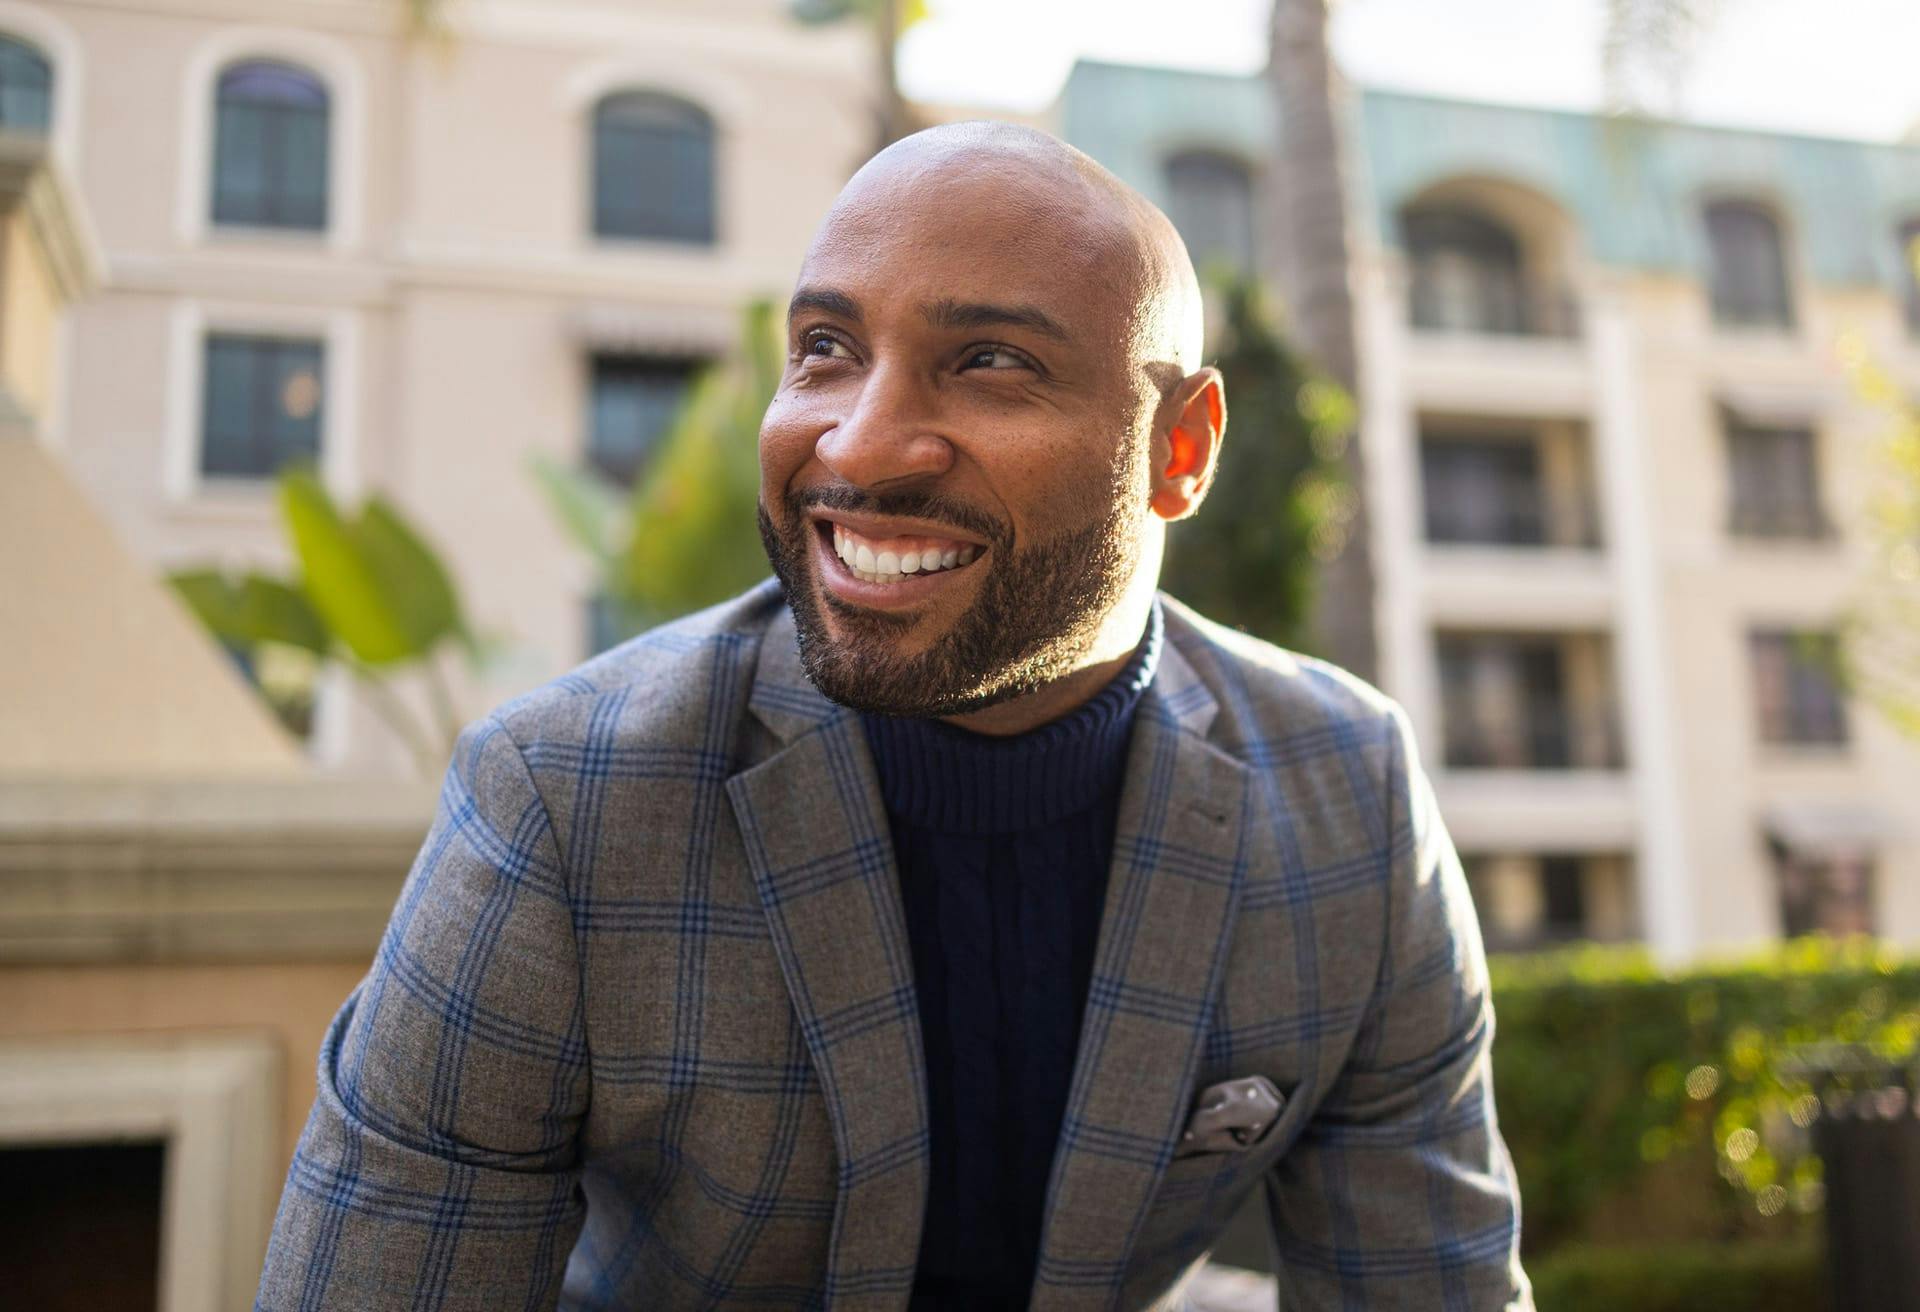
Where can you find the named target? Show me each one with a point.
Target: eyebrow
(975, 314)
(826, 301)
(945, 313)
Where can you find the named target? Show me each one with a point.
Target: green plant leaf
(693, 540)
(336, 577)
(252, 609)
(409, 576)
(375, 583)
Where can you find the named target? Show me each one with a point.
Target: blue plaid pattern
(642, 1032)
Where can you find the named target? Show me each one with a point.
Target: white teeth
(863, 562)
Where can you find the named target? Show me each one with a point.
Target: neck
(1114, 643)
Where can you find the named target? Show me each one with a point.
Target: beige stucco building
(1619, 478)
(1606, 509)
(442, 254)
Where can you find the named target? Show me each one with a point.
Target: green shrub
(1644, 1105)
(1682, 1278)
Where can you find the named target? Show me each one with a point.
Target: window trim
(214, 1099)
(334, 65)
(188, 490)
(58, 46)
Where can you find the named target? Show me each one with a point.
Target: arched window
(271, 147)
(26, 88)
(1210, 200)
(652, 169)
(1748, 275)
(1468, 274)
(1909, 238)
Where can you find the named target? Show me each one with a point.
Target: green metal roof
(1634, 188)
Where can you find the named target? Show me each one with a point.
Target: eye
(824, 346)
(995, 357)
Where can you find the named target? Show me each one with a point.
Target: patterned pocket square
(1231, 1116)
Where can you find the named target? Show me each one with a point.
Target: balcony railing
(1542, 738)
(1444, 298)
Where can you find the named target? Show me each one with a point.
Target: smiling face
(958, 473)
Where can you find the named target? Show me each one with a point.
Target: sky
(1846, 68)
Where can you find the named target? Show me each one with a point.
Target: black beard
(1038, 613)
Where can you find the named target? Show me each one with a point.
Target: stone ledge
(206, 870)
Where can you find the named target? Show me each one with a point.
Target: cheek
(786, 445)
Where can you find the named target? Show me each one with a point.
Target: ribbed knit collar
(954, 781)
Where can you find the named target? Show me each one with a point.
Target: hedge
(1682, 1278)
(1655, 1105)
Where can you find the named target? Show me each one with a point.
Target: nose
(891, 434)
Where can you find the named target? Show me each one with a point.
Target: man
(956, 923)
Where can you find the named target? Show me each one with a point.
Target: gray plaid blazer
(642, 1032)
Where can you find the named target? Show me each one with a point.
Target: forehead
(981, 232)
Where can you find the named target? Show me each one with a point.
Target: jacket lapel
(816, 837)
(1171, 896)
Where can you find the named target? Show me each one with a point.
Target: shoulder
(671, 685)
(1268, 695)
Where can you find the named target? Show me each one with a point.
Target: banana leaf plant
(683, 537)
(368, 595)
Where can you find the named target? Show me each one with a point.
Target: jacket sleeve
(1399, 1193)
(438, 1166)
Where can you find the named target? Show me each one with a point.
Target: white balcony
(1538, 810)
(1517, 587)
(1496, 375)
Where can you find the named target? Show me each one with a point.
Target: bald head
(1062, 198)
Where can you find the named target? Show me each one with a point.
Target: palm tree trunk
(891, 111)
(1310, 181)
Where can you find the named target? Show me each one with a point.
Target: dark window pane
(263, 405)
(1749, 272)
(1797, 699)
(26, 88)
(1824, 893)
(1483, 490)
(1210, 200)
(1563, 890)
(653, 171)
(271, 148)
(635, 399)
(1468, 276)
(80, 1225)
(1771, 476)
(1503, 702)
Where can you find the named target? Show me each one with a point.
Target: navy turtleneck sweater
(1003, 846)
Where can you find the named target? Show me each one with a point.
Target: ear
(1186, 443)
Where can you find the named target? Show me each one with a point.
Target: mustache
(930, 506)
